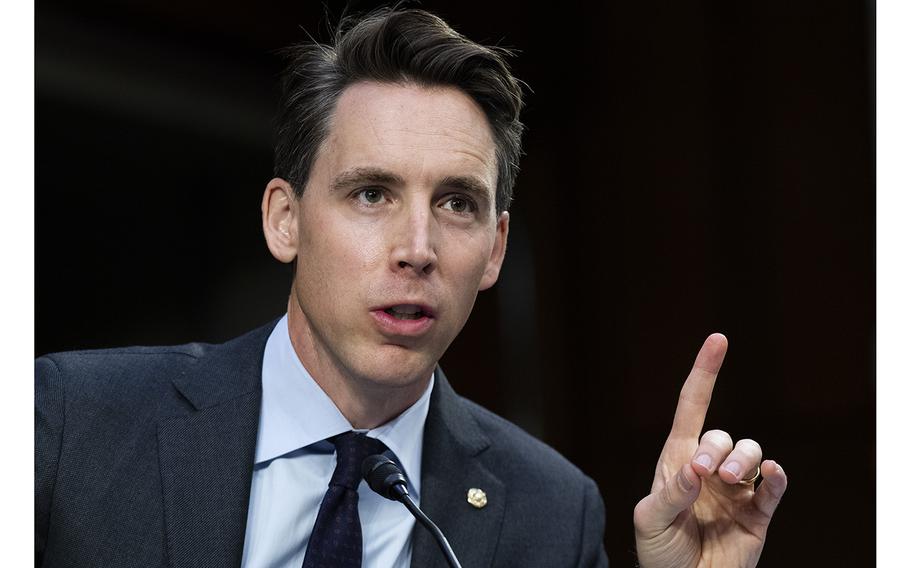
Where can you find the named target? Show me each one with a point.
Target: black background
(691, 167)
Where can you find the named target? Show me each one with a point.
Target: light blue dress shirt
(294, 464)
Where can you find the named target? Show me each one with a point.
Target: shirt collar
(297, 413)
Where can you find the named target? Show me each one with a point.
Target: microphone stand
(386, 478)
(431, 526)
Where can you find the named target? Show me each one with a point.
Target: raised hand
(702, 510)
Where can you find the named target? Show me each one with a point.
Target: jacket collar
(206, 457)
(227, 370)
(453, 446)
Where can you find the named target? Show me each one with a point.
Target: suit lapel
(452, 443)
(206, 462)
(206, 457)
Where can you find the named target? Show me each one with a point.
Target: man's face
(397, 231)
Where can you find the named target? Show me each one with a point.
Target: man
(396, 157)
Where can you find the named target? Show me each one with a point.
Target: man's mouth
(404, 320)
(406, 312)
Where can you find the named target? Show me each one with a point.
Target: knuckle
(750, 446)
(666, 496)
(718, 438)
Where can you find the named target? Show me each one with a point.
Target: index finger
(696, 392)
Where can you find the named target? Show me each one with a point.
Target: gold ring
(752, 479)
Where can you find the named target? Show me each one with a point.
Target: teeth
(406, 316)
(406, 312)
(405, 309)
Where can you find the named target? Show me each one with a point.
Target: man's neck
(366, 404)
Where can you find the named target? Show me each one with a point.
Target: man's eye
(370, 196)
(459, 204)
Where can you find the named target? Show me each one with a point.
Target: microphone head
(384, 477)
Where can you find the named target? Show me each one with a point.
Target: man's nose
(414, 247)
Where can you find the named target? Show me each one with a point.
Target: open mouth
(406, 312)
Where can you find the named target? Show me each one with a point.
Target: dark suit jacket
(144, 457)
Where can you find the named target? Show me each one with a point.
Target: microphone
(386, 478)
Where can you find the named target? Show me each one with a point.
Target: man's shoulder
(112, 359)
(142, 361)
(128, 390)
(133, 365)
(117, 386)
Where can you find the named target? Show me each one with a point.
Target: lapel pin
(477, 498)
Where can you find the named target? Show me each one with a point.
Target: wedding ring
(752, 479)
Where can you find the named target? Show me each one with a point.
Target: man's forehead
(384, 125)
(420, 109)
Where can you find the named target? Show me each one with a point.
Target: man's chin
(397, 367)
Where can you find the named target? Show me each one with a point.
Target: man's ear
(491, 273)
(279, 219)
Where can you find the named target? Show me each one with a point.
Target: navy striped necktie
(337, 540)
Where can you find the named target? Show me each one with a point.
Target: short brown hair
(394, 45)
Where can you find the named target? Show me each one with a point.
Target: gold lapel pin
(477, 498)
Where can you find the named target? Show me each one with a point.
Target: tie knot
(352, 448)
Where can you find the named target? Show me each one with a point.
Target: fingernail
(684, 481)
(734, 468)
(704, 460)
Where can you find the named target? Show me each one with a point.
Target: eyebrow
(470, 185)
(360, 176)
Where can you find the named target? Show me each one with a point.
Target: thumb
(657, 511)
